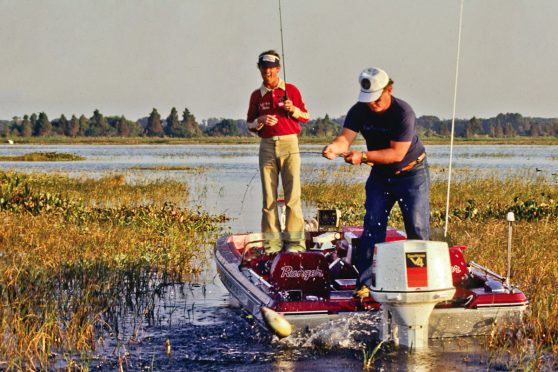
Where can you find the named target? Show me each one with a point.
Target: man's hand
(353, 157)
(328, 152)
(288, 106)
(340, 144)
(269, 120)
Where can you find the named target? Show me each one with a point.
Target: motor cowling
(409, 278)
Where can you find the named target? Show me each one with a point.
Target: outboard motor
(299, 276)
(409, 278)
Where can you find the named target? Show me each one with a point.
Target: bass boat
(460, 298)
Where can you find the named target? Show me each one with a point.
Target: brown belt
(412, 164)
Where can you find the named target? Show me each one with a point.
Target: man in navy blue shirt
(399, 170)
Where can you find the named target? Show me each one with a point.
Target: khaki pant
(280, 156)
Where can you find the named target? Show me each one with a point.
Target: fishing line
(453, 117)
(254, 176)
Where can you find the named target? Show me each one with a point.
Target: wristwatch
(363, 159)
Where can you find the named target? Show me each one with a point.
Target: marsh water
(198, 320)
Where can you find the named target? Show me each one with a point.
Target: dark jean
(411, 190)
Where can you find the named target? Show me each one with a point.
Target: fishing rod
(460, 27)
(283, 51)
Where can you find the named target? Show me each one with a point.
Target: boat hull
(251, 291)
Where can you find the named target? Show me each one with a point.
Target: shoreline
(255, 140)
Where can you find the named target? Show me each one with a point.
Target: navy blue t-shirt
(397, 123)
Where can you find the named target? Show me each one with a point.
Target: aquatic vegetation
(71, 271)
(112, 189)
(369, 357)
(530, 198)
(172, 168)
(478, 220)
(42, 156)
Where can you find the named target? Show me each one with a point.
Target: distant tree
(445, 129)
(526, 128)
(44, 127)
(122, 127)
(98, 125)
(154, 126)
(136, 129)
(243, 127)
(497, 131)
(34, 118)
(508, 130)
(12, 128)
(73, 128)
(6, 132)
(473, 127)
(174, 127)
(26, 127)
(469, 133)
(63, 126)
(83, 125)
(321, 128)
(226, 127)
(430, 123)
(191, 127)
(209, 122)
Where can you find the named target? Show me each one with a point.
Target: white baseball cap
(372, 82)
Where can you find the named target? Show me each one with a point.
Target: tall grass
(110, 190)
(42, 156)
(76, 256)
(477, 219)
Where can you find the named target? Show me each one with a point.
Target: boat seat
(306, 272)
(459, 271)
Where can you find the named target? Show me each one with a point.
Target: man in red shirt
(274, 113)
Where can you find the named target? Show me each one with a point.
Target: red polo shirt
(264, 101)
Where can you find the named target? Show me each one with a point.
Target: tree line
(501, 126)
(98, 125)
(186, 126)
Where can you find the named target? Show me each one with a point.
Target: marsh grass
(370, 356)
(71, 271)
(109, 190)
(488, 155)
(43, 156)
(477, 220)
(172, 168)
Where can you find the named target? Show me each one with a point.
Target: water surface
(198, 319)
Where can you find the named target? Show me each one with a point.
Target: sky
(126, 57)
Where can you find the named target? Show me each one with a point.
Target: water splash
(353, 332)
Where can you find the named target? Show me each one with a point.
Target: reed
(478, 211)
(42, 156)
(111, 189)
(171, 168)
(72, 270)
